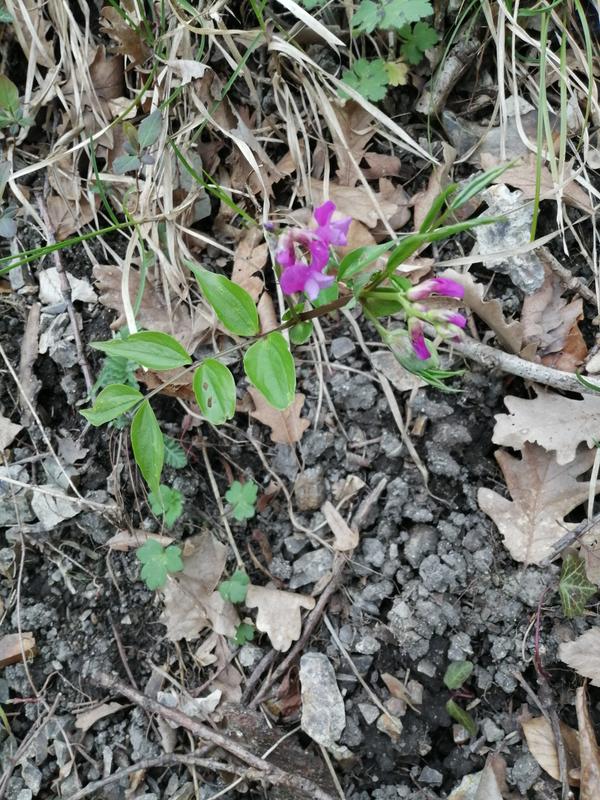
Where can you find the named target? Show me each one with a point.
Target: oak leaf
(287, 427)
(543, 493)
(279, 614)
(583, 655)
(554, 422)
(542, 746)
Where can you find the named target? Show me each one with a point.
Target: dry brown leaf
(590, 552)
(382, 166)
(523, 177)
(543, 493)
(279, 614)
(401, 379)
(250, 258)
(394, 193)
(345, 537)
(8, 431)
(583, 655)
(190, 600)
(509, 334)
(86, 719)
(68, 217)
(492, 783)
(555, 422)
(358, 236)
(287, 427)
(14, 645)
(541, 744)
(106, 74)
(130, 42)
(589, 756)
(439, 178)
(358, 129)
(355, 202)
(550, 324)
(123, 541)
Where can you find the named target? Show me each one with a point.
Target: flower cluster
(448, 324)
(304, 252)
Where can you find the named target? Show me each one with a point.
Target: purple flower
(452, 318)
(442, 286)
(297, 245)
(417, 339)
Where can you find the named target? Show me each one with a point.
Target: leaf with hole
(233, 305)
(111, 403)
(270, 367)
(151, 349)
(214, 387)
(158, 562)
(148, 445)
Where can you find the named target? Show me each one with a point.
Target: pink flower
(296, 245)
(452, 318)
(442, 286)
(417, 339)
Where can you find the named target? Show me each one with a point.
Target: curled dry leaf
(355, 201)
(345, 538)
(543, 493)
(554, 422)
(279, 614)
(356, 124)
(129, 41)
(287, 427)
(541, 744)
(86, 719)
(589, 756)
(190, 600)
(438, 180)
(250, 258)
(509, 334)
(583, 655)
(123, 541)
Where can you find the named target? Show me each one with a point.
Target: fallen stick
(266, 771)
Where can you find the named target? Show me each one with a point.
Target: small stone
(367, 645)
(341, 347)
(373, 552)
(436, 576)
(323, 714)
(369, 712)
(311, 566)
(491, 731)
(460, 735)
(423, 540)
(460, 647)
(249, 655)
(280, 568)
(294, 544)
(32, 777)
(24, 794)
(391, 445)
(309, 489)
(431, 776)
(426, 668)
(525, 772)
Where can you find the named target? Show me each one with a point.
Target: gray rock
(449, 434)
(311, 566)
(15, 501)
(431, 776)
(440, 462)
(402, 625)
(352, 736)
(353, 392)
(314, 444)
(391, 445)
(525, 772)
(397, 493)
(367, 645)
(491, 731)
(32, 777)
(24, 794)
(423, 540)
(285, 461)
(342, 346)
(309, 489)
(280, 568)
(369, 712)
(294, 545)
(249, 655)
(373, 552)
(505, 680)
(436, 576)
(460, 647)
(323, 714)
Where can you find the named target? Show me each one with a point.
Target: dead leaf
(438, 180)
(543, 493)
(358, 236)
(589, 756)
(345, 537)
(401, 379)
(509, 334)
(86, 719)
(554, 422)
(123, 541)
(279, 614)
(541, 744)
(395, 193)
(8, 431)
(129, 41)
(355, 202)
(287, 427)
(382, 166)
(190, 600)
(106, 74)
(358, 129)
(250, 258)
(51, 291)
(14, 645)
(67, 217)
(583, 655)
(492, 784)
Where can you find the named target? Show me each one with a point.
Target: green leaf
(9, 96)
(151, 349)
(574, 588)
(4, 14)
(123, 164)
(370, 78)
(175, 456)
(111, 403)
(244, 633)
(242, 498)
(461, 716)
(388, 14)
(232, 304)
(359, 259)
(167, 503)
(270, 367)
(457, 673)
(417, 41)
(158, 562)
(149, 129)
(148, 445)
(301, 332)
(117, 370)
(235, 589)
(327, 295)
(214, 388)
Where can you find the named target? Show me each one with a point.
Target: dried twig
(265, 771)
(570, 538)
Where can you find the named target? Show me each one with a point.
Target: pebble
(460, 647)
(310, 567)
(426, 668)
(32, 777)
(249, 655)
(323, 714)
(525, 772)
(436, 577)
(341, 347)
(369, 711)
(431, 776)
(423, 540)
(367, 645)
(491, 731)
(309, 489)
(373, 552)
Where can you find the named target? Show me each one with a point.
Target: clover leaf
(158, 562)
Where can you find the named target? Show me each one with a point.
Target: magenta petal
(324, 212)
(319, 251)
(315, 283)
(442, 286)
(455, 319)
(338, 232)
(417, 340)
(293, 279)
